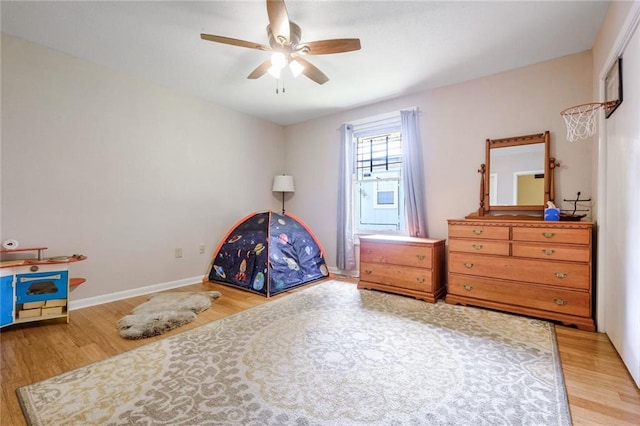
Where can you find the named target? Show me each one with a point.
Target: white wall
(619, 198)
(124, 171)
(455, 122)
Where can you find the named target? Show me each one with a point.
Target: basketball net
(581, 119)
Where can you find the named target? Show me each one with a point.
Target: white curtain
(346, 257)
(413, 175)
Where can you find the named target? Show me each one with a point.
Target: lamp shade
(283, 183)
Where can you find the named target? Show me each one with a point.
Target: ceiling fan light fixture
(278, 61)
(296, 67)
(275, 72)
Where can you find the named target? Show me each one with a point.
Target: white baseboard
(112, 297)
(350, 274)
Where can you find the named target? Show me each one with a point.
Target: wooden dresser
(531, 267)
(403, 265)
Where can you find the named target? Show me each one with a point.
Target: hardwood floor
(600, 390)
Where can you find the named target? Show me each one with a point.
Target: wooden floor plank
(599, 388)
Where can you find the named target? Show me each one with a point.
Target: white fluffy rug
(164, 312)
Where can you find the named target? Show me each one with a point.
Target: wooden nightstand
(403, 265)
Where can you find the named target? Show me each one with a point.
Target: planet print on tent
(291, 263)
(219, 271)
(258, 282)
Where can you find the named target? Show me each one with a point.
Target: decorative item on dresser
(403, 265)
(530, 267)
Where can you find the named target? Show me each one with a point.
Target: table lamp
(283, 183)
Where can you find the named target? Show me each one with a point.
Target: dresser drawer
(397, 276)
(561, 274)
(530, 296)
(551, 252)
(397, 254)
(479, 232)
(552, 235)
(479, 246)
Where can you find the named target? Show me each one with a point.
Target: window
(377, 181)
(386, 195)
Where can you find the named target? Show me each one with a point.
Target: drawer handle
(477, 246)
(420, 256)
(560, 302)
(477, 231)
(468, 287)
(368, 271)
(420, 280)
(561, 275)
(50, 277)
(548, 252)
(548, 234)
(468, 265)
(368, 251)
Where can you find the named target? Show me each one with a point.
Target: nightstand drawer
(397, 276)
(409, 255)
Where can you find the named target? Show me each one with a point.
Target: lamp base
(283, 203)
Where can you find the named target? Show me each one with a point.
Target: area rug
(327, 355)
(164, 312)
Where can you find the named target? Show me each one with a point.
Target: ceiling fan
(284, 41)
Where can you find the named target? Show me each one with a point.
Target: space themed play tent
(268, 253)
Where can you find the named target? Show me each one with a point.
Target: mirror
(517, 175)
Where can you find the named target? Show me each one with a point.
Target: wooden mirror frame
(523, 211)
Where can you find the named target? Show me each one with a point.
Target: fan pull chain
(278, 86)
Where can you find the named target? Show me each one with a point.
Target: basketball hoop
(581, 119)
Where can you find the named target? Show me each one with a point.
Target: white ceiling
(407, 46)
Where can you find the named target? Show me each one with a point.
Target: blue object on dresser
(551, 214)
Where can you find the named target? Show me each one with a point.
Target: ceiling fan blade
(278, 20)
(312, 72)
(261, 70)
(234, 42)
(340, 45)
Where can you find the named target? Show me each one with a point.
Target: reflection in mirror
(517, 175)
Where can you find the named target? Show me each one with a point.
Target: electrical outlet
(178, 253)
(201, 248)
